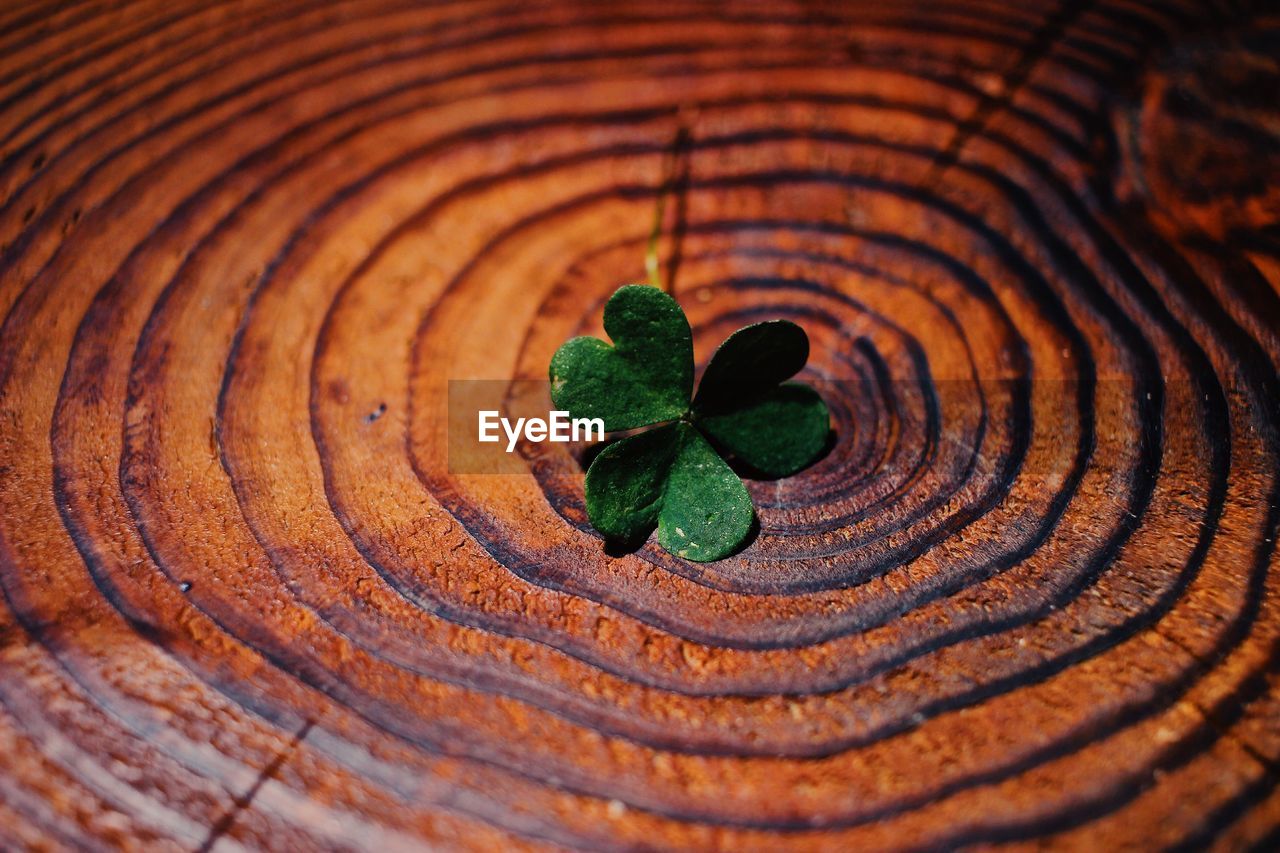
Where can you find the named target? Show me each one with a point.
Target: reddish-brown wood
(1029, 599)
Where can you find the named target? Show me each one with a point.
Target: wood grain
(1029, 599)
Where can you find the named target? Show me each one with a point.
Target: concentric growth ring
(1025, 598)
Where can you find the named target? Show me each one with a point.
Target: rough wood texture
(1029, 599)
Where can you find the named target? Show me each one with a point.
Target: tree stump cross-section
(1030, 598)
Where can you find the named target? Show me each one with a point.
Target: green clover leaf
(644, 378)
(775, 429)
(673, 477)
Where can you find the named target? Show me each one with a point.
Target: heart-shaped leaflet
(645, 377)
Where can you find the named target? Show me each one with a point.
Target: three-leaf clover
(674, 476)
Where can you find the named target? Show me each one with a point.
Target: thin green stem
(651, 265)
(670, 163)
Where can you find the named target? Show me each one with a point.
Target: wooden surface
(1030, 598)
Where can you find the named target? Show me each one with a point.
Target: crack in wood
(1042, 40)
(241, 803)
